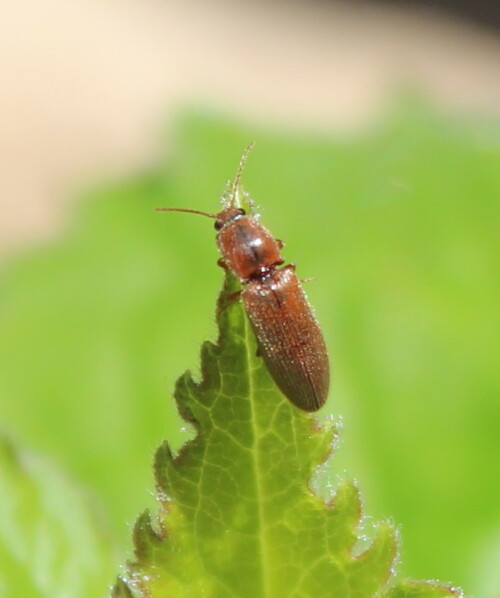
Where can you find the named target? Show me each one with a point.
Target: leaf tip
(121, 589)
(382, 553)
(145, 537)
(409, 588)
(163, 458)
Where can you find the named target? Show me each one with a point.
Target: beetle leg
(222, 263)
(292, 267)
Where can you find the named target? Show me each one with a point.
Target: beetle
(288, 335)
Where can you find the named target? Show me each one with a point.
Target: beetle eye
(218, 225)
(241, 211)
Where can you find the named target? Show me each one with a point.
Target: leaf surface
(237, 515)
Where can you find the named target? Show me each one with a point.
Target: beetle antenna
(186, 210)
(237, 179)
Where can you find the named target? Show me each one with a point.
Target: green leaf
(52, 545)
(237, 515)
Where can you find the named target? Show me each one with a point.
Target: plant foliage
(52, 544)
(237, 515)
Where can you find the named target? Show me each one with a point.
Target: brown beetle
(288, 335)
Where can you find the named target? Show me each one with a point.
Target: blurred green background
(397, 221)
(399, 228)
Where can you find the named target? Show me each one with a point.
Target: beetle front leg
(221, 262)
